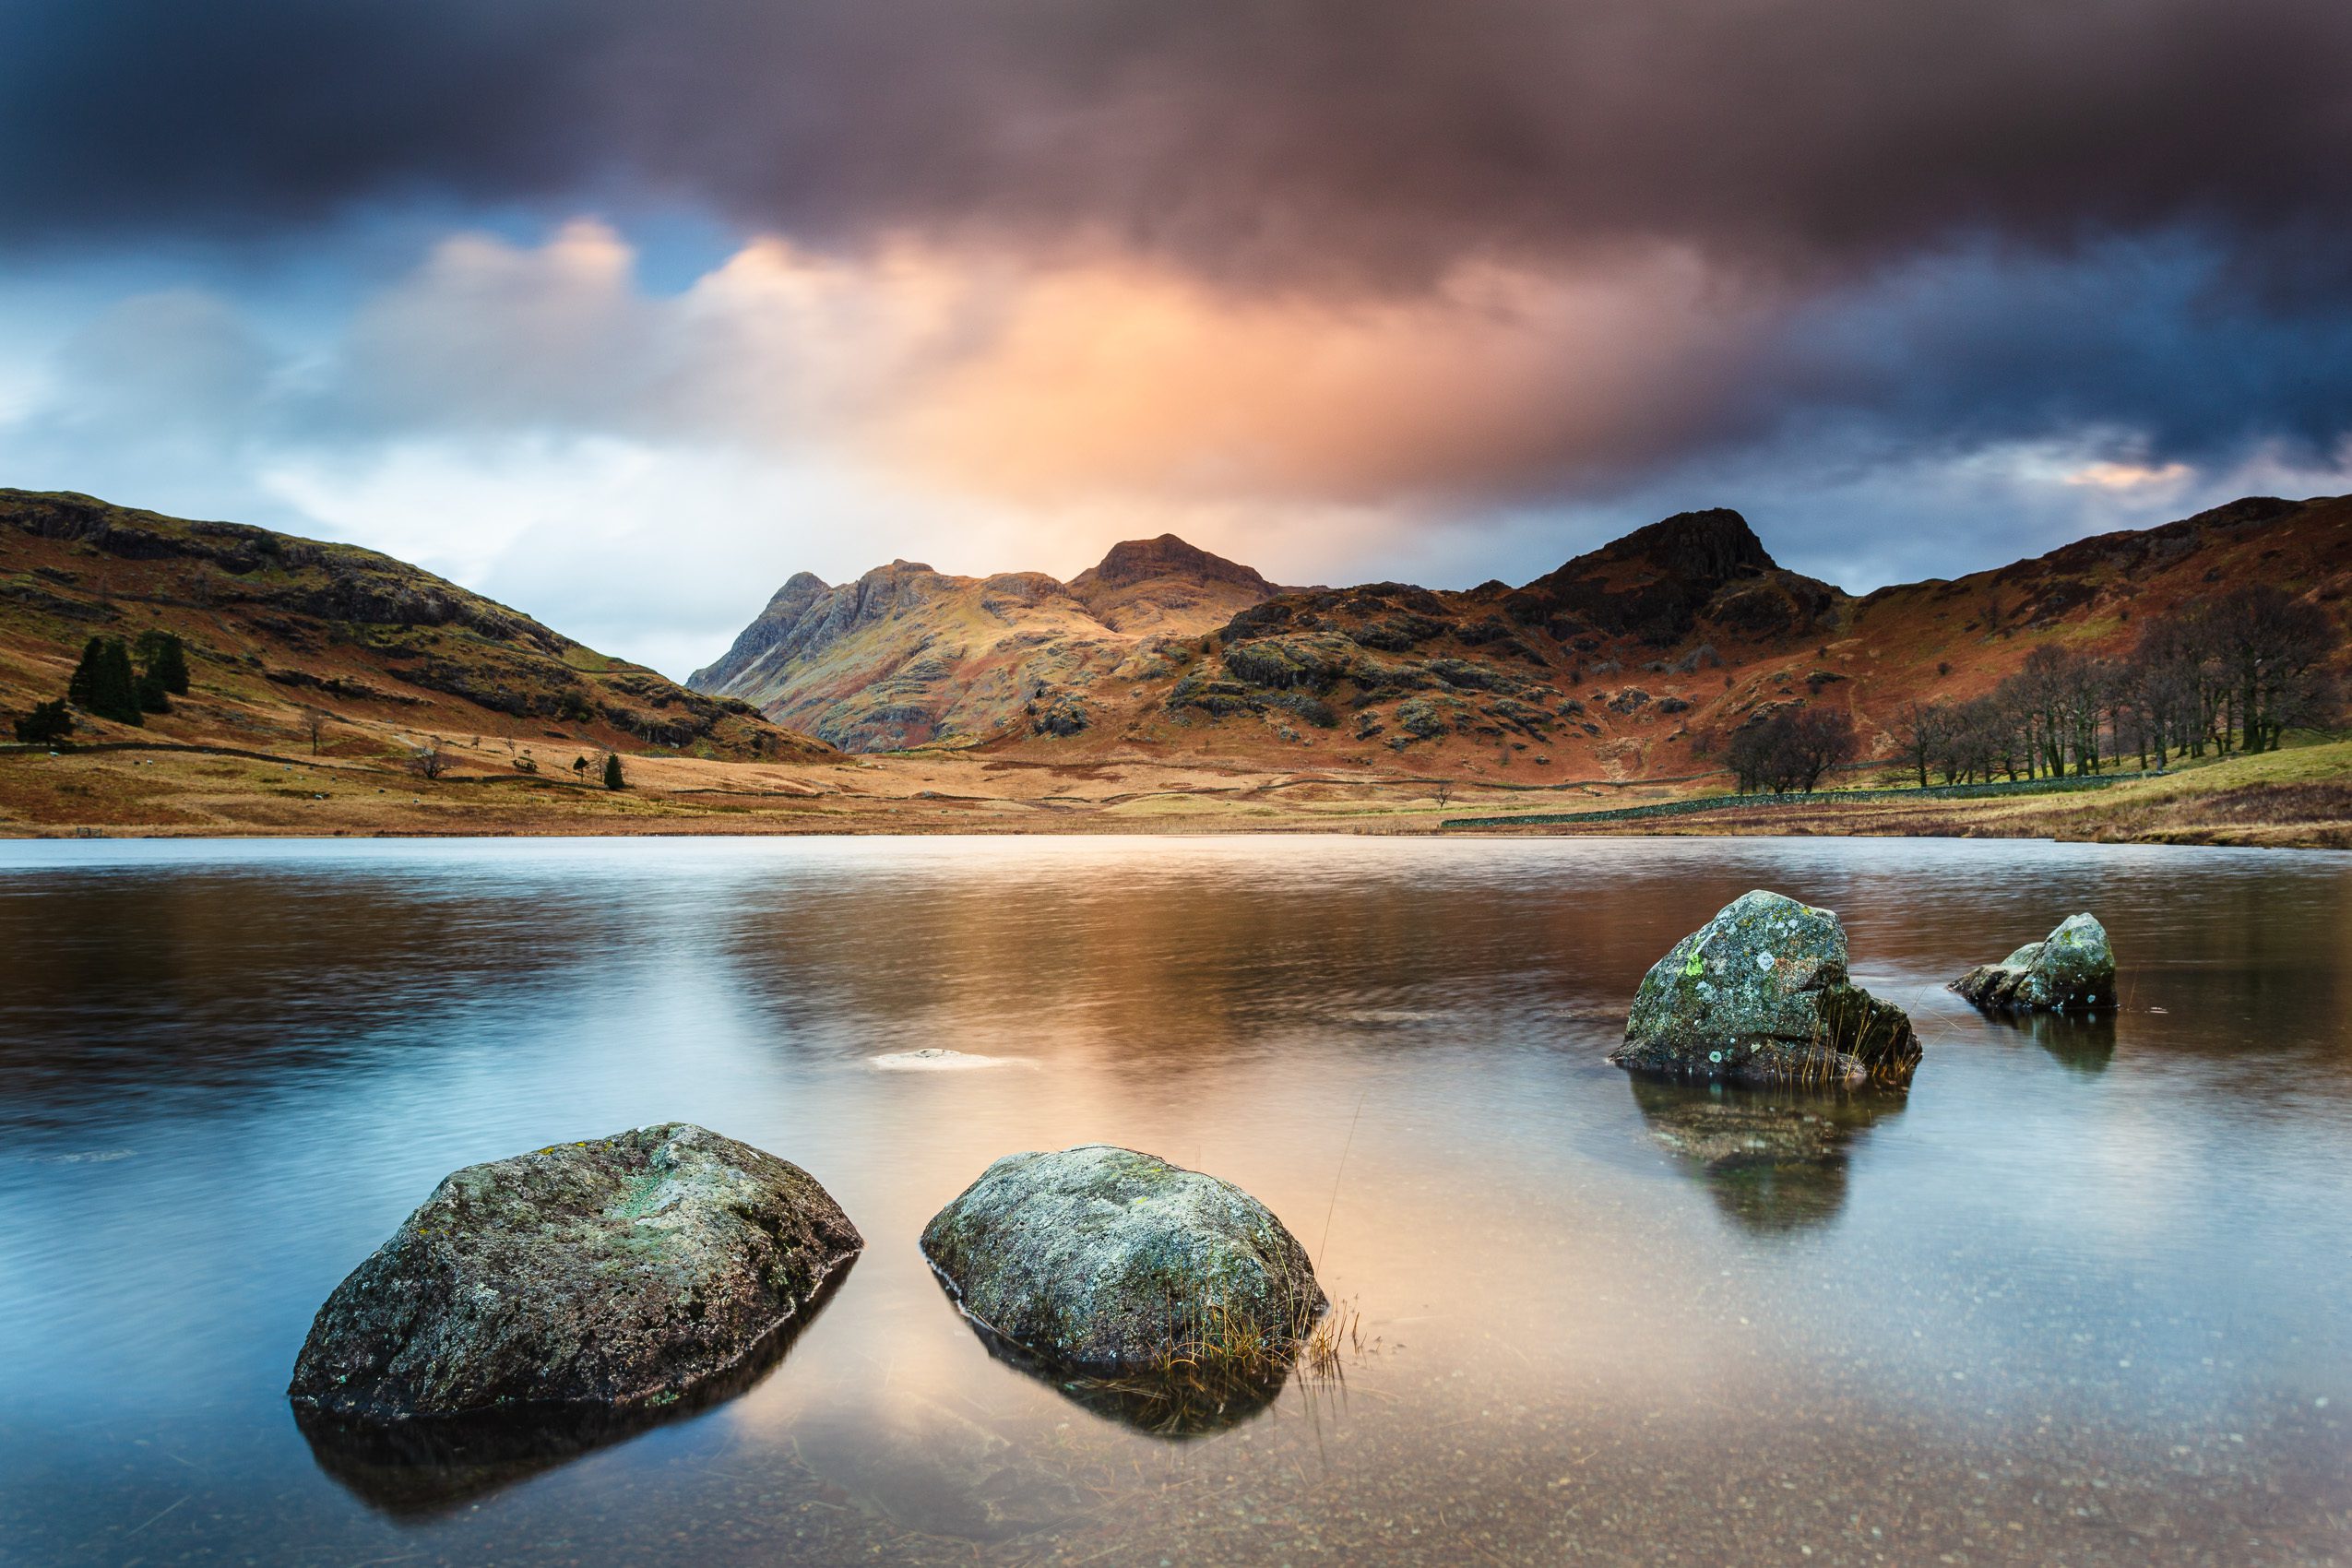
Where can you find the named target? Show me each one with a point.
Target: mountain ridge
(904, 655)
(1543, 674)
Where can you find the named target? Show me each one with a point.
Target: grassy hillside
(2297, 797)
(281, 631)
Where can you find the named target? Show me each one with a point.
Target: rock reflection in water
(2079, 1042)
(427, 1466)
(1186, 1405)
(1772, 1159)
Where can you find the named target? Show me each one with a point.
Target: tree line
(124, 682)
(2231, 672)
(1790, 749)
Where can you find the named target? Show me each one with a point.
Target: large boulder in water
(1109, 1261)
(2069, 969)
(621, 1273)
(1759, 994)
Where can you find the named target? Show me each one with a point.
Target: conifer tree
(613, 779)
(79, 688)
(103, 683)
(164, 659)
(47, 724)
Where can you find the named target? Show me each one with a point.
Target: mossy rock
(2072, 970)
(625, 1272)
(1109, 1261)
(1760, 994)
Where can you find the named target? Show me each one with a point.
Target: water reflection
(2079, 1043)
(418, 1469)
(1772, 1159)
(1175, 1406)
(229, 1071)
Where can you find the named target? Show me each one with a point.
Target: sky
(622, 313)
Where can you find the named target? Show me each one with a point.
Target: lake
(2080, 1297)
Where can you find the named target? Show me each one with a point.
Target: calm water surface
(2082, 1299)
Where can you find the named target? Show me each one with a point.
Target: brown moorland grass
(2297, 797)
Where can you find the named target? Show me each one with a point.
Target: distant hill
(277, 628)
(1630, 661)
(906, 656)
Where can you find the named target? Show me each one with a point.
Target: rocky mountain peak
(1710, 546)
(1141, 560)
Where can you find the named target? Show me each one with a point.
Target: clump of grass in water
(1214, 1344)
(1856, 1028)
(1336, 1337)
(1219, 1358)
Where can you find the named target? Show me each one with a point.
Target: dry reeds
(1338, 1338)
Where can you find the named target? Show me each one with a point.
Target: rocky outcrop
(1165, 585)
(1657, 583)
(622, 1272)
(1760, 994)
(2069, 969)
(1109, 1261)
(907, 656)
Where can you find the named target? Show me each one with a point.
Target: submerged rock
(2073, 968)
(1759, 994)
(1774, 1160)
(621, 1273)
(1106, 1260)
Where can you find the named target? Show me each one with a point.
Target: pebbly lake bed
(2080, 1296)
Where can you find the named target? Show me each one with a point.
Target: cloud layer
(1357, 139)
(1340, 286)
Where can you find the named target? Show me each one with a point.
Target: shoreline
(2297, 798)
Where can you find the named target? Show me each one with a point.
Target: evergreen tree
(165, 659)
(79, 688)
(47, 724)
(103, 683)
(613, 779)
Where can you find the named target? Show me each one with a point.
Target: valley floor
(2300, 797)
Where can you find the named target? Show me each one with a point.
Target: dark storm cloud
(1984, 267)
(1370, 141)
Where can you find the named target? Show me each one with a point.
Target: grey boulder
(1109, 1261)
(1760, 994)
(617, 1274)
(2069, 969)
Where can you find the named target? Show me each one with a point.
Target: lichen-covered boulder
(1110, 1261)
(2071, 968)
(619, 1273)
(1759, 994)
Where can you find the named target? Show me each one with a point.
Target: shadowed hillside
(295, 643)
(1640, 659)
